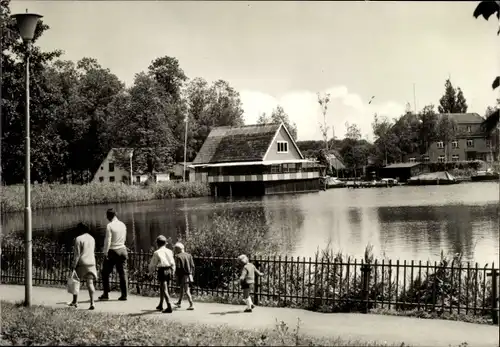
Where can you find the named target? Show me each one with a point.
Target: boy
(247, 280)
(163, 262)
(184, 270)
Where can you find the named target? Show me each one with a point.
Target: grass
(68, 195)
(48, 326)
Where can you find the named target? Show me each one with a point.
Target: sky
(286, 52)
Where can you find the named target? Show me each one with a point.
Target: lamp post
(131, 154)
(26, 25)
(185, 147)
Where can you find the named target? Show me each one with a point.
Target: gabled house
(470, 143)
(254, 160)
(110, 169)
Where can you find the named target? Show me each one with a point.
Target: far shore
(45, 196)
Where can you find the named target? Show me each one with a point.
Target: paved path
(353, 326)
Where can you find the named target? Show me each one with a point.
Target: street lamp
(131, 154)
(185, 147)
(26, 25)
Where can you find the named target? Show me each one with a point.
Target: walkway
(366, 327)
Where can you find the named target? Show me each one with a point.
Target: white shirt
(116, 234)
(162, 257)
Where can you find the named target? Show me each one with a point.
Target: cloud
(302, 107)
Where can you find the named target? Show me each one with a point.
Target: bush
(67, 195)
(171, 190)
(48, 326)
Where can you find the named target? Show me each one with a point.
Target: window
(455, 157)
(488, 143)
(282, 147)
(138, 179)
(469, 129)
(275, 169)
(454, 144)
(102, 167)
(289, 168)
(426, 158)
(440, 144)
(111, 178)
(101, 179)
(412, 160)
(441, 159)
(111, 167)
(470, 143)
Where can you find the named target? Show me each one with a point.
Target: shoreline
(53, 196)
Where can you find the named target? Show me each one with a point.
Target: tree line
(79, 111)
(394, 139)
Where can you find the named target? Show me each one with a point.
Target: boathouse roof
(401, 165)
(239, 144)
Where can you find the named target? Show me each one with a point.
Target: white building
(109, 171)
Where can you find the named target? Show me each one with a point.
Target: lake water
(412, 223)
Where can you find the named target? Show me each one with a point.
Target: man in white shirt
(164, 263)
(115, 253)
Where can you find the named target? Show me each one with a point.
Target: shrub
(170, 190)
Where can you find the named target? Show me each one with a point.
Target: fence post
(365, 271)
(256, 290)
(494, 294)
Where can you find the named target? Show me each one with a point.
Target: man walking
(115, 254)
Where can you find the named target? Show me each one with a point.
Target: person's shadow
(226, 312)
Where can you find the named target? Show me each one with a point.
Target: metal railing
(319, 284)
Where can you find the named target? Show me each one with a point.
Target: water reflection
(413, 223)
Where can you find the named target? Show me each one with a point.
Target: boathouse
(403, 171)
(254, 160)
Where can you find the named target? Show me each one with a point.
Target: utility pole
(414, 99)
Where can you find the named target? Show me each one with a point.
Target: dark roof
(335, 160)
(466, 118)
(401, 165)
(228, 144)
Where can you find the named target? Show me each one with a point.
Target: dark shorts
(164, 274)
(245, 285)
(184, 279)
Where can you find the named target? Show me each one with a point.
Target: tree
(279, 116)
(145, 126)
(353, 132)
(46, 144)
(263, 119)
(385, 146)
(353, 149)
(169, 75)
(406, 131)
(453, 100)
(446, 131)
(209, 106)
(487, 9)
(323, 102)
(428, 128)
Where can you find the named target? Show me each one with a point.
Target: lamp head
(26, 25)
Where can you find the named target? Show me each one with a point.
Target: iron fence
(328, 285)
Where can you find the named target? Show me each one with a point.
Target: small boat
(333, 182)
(384, 183)
(484, 176)
(433, 179)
